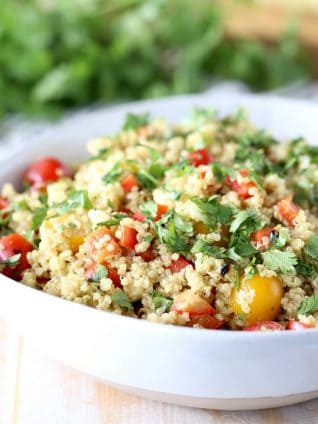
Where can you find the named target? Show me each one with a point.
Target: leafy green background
(60, 54)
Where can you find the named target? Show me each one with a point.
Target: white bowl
(195, 367)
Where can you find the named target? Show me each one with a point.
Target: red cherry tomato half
(265, 326)
(11, 245)
(208, 321)
(288, 210)
(129, 182)
(45, 171)
(257, 236)
(200, 157)
(112, 273)
(179, 264)
(128, 238)
(193, 304)
(3, 203)
(297, 325)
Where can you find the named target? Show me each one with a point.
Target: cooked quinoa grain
(210, 223)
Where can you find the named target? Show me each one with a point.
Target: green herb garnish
(279, 261)
(308, 306)
(160, 301)
(121, 299)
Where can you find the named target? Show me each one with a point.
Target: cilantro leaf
(121, 299)
(306, 269)
(311, 247)
(247, 217)
(38, 217)
(279, 261)
(213, 212)
(113, 174)
(146, 179)
(202, 246)
(99, 273)
(308, 306)
(240, 247)
(176, 234)
(160, 301)
(75, 199)
(134, 121)
(182, 225)
(221, 171)
(102, 154)
(12, 261)
(149, 209)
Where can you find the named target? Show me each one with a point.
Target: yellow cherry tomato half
(258, 299)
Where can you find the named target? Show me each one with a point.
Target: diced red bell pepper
(128, 238)
(148, 255)
(161, 210)
(3, 203)
(242, 189)
(128, 182)
(257, 236)
(200, 157)
(178, 264)
(288, 210)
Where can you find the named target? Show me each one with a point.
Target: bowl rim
(220, 334)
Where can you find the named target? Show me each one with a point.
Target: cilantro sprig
(121, 299)
(308, 306)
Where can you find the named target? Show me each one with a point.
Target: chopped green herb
(146, 179)
(101, 155)
(278, 238)
(32, 238)
(279, 261)
(148, 238)
(113, 174)
(114, 220)
(39, 215)
(202, 246)
(160, 301)
(306, 269)
(221, 171)
(308, 306)
(134, 121)
(75, 199)
(311, 247)
(247, 217)
(213, 212)
(21, 205)
(200, 116)
(176, 234)
(149, 209)
(157, 170)
(121, 299)
(99, 273)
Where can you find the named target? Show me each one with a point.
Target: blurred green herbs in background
(62, 54)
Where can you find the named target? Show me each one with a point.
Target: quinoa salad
(210, 223)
